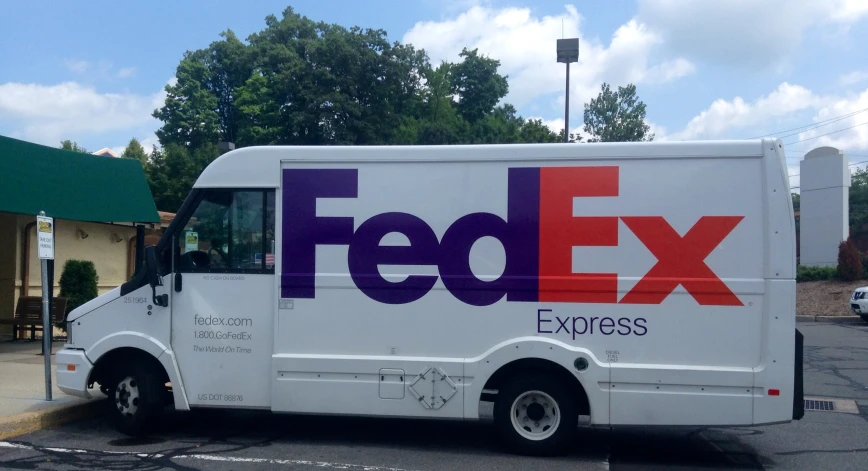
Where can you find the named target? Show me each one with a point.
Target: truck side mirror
(153, 269)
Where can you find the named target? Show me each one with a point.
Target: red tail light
(774, 392)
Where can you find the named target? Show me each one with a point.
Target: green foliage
(174, 169)
(616, 116)
(478, 85)
(849, 261)
(78, 283)
(864, 265)
(858, 200)
(73, 146)
(300, 82)
(797, 204)
(805, 273)
(135, 150)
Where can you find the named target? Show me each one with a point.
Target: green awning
(72, 185)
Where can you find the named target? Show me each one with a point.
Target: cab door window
(229, 231)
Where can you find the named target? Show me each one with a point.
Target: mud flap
(798, 378)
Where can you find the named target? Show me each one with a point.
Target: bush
(78, 283)
(849, 261)
(864, 265)
(816, 273)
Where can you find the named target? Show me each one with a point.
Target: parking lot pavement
(836, 367)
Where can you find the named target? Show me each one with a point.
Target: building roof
(105, 152)
(72, 185)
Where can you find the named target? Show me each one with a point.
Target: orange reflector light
(70, 367)
(774, 392)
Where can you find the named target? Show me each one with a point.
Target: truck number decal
(221, 397)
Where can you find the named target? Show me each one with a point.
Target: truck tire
(535, 415)
(864, 317)
(136, 399)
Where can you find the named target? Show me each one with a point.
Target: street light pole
(567, 107)
(568, 52)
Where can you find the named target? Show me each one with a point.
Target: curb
(32, 421)
(831, 319)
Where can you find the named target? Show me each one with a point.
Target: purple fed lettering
(365, 254)
(303, 230)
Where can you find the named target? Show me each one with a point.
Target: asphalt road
(836, 367)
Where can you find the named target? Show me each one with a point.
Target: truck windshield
(229, 231)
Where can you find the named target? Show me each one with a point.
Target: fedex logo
(538, 235)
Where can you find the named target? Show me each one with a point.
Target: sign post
(45, 249)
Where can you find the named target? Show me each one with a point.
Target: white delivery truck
(640, 284)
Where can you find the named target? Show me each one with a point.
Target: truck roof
(256, 166)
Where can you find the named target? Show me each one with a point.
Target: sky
(94, 71)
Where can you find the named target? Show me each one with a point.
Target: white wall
(825, 219)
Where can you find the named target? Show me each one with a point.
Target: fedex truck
(640, 284)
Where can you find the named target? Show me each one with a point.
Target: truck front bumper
(73, 370)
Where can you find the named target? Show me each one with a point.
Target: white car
(859, 302)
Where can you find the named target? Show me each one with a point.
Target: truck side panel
(652, 267)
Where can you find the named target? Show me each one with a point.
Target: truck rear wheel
(535, 415)
(136, 399)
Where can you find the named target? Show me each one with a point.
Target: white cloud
(126, 72)
(841, 121)
(723, 116)
(746, 33)
(557, 125)
(838, 135)
(77, 66)
(853, 78)
(525, 46)
(847, 11)
(48, 114)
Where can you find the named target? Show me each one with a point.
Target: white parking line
(204, 457)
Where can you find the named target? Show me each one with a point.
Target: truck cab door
(223, 298)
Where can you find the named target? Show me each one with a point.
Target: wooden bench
(28, 314)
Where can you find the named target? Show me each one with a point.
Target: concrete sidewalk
(23, 407)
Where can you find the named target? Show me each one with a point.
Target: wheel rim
(535, 415)
(127, 396)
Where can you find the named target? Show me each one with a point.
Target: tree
(173, 170)
(189, 113)
(797, 203)
(858, 200)
(73, 146)
(301, 82)
(616, 116)
(135, 150)
(477, 84)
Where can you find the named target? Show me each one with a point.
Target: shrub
(816, 273)
(78, 283)
(864, 265)
(849, 261)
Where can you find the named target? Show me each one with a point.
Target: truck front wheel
(535, 415)
(136, 399)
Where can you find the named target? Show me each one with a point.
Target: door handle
(178, 282)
